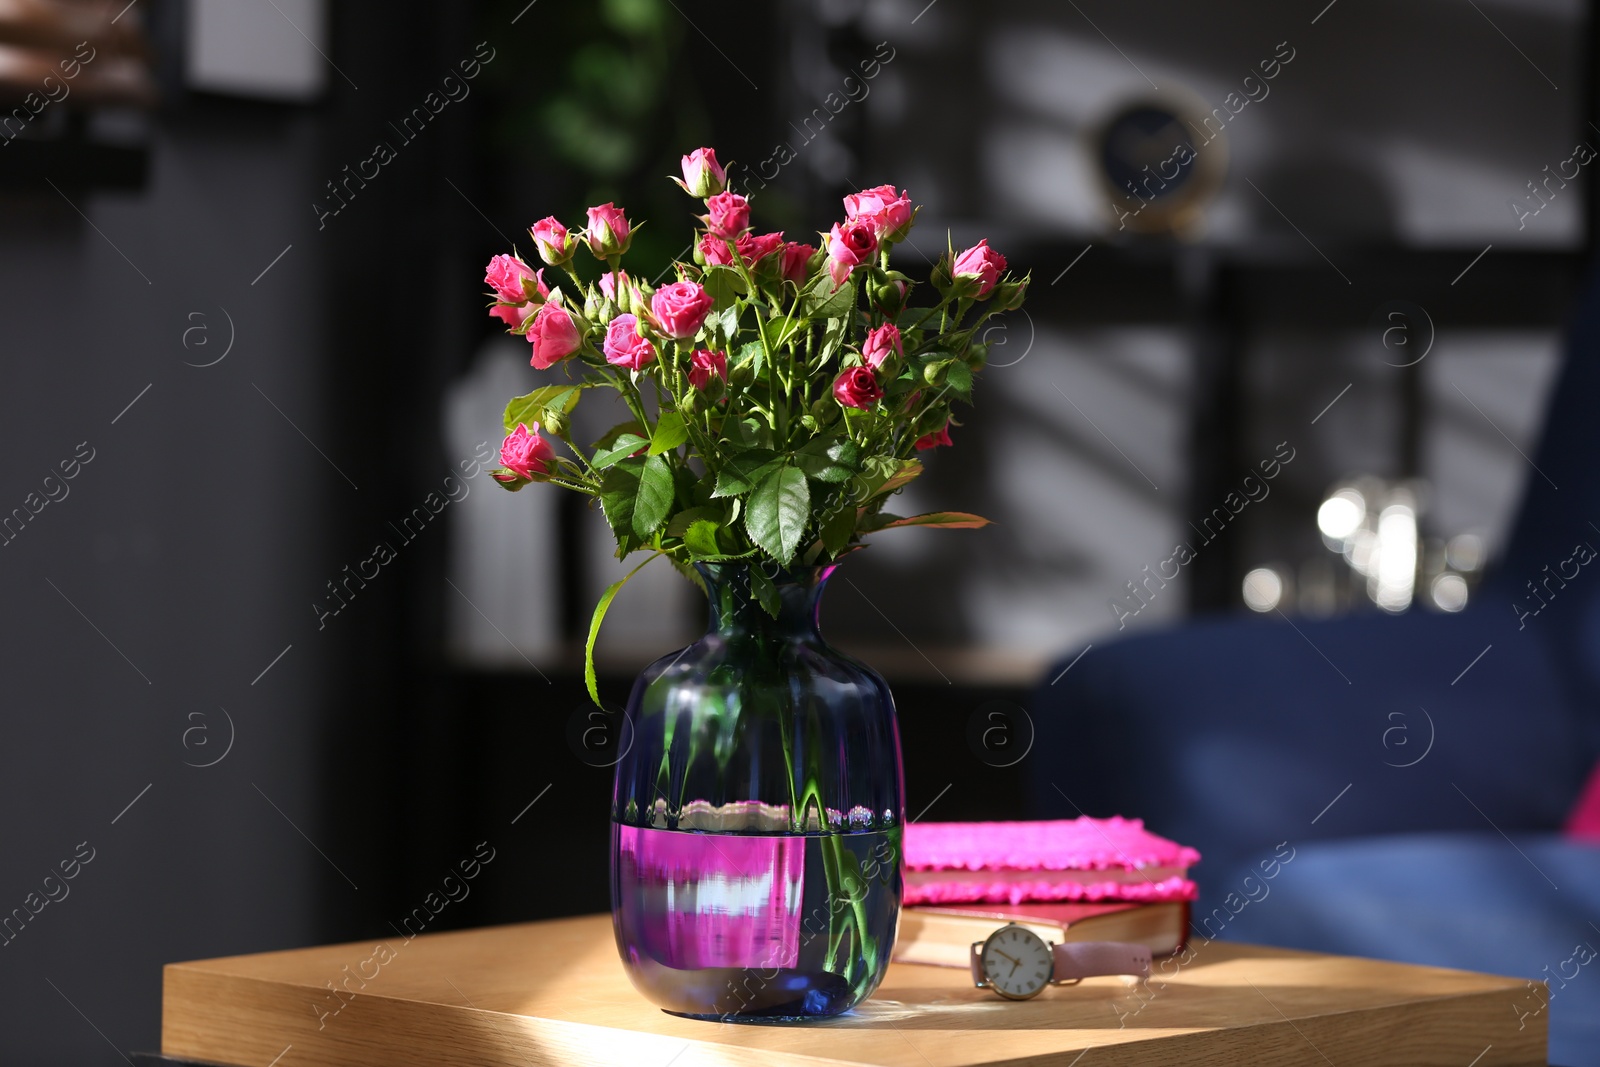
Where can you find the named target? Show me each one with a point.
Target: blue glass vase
(756, 819)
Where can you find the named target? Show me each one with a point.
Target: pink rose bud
(623, 345)
(753, 250)
(527, 455)
(713, 251)
(703, 176)
(796, 257)
(505, 275)
(850, 244)
(889, 213)
(939, 437)
(680, 308)
(609, 233)
(553, 334)
(982, 263)
(729, 217)
(704, 364)
(513, 315)
(857, 388)
(882, 343)
(618, 287)
(554, 242)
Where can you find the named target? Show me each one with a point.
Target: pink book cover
(1067, 860)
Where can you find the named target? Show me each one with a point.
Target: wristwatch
(1017, 963)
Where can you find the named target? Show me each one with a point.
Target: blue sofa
(1420, 766)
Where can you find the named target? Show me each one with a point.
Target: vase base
(756, 1020)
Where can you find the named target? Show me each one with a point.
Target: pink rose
(714, 251)
(795, 258)
(553, 334)
(753, 249)
(505, 275)
(553, 241)
(680, 308)
(980, 262)
(609, 233)
(882, 343)
(730, 215)
(703, 176)
(617, 287)
(513, 315)
(857, 388)
(939, 437)
(850, 244)
(623, 345)
(888, 212)
(527, 455)
(703, 364)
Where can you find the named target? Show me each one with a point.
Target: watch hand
(1013, 960)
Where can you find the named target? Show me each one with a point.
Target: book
(943, 936)
(1066, 860)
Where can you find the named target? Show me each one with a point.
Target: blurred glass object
(1263, 589)
(1376, 527)
(1449, 592)
(1341, 514)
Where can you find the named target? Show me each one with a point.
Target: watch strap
(1086, 959)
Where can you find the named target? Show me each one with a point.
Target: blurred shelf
(73, 164)
(1284, 280)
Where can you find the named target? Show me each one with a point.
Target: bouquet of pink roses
(778, 392)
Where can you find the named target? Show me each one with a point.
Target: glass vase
(756, 818)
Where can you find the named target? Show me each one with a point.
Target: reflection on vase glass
(756, 841)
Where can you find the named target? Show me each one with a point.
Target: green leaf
(594, 629)
(701, 538)
(743, 471)
(624, 446)
(670, 433)
(765, 592)
(725, 324)
(679, 524)
(746, 353)
(532, 407)
(959, 377)
(637, 495)
(779, 509)
(743, 432)
(830, 303)
(829, 459)
(724, 284)
(611, 436)
(946, 520)
(909, 469)
(780, 332)
(838, 528)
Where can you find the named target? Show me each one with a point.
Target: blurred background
(240, 268)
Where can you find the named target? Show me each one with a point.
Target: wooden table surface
(554, 993)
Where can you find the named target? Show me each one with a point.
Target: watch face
(1016, 963)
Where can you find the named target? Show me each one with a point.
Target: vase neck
(735, 610)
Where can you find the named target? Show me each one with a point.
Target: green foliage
(779, 511)
(785, 459)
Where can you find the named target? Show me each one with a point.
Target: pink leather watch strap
(1085, 959)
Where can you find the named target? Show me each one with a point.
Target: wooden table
(553, 993)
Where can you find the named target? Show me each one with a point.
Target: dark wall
(144, 605)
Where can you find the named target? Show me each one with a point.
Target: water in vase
(755, 926)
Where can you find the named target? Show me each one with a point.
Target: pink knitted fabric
(980, 892)
(1120, 847)
(1081, 844)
